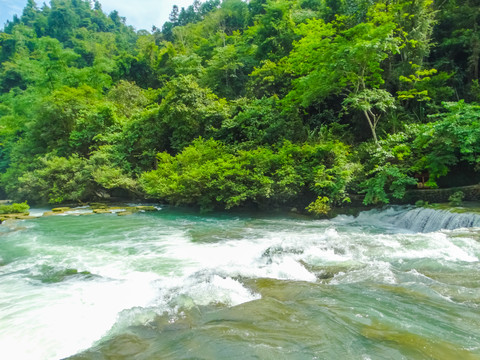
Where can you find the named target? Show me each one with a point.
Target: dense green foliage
(436, 147)
(210, 174)
(233, 103)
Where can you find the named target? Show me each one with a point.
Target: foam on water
(201, 289)
(377, 271)
(48, 322)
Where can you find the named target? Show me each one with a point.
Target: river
(398, 283)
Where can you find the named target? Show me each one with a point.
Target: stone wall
(472, 193)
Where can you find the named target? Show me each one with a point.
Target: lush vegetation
(241, 103)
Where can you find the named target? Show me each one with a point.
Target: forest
(260, 103)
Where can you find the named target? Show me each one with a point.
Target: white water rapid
(400, 283)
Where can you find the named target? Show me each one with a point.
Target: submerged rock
(51, 275)
(102, 211)
(94, 208)
(19, 216)
(61, 209)
(25, 217)
(49, 213)
(146, 208)
(124, 213)
(98, 205)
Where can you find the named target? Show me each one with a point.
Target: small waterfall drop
(421, 219)
(429, 220)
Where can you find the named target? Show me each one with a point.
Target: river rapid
(400, 283)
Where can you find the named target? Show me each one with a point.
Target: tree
(189, 111)
(56, 117)
(273, 32)
(331, 60)
(258, 122)
(173, 17)
(372, 103)
(128, 98)
(186, 112)
(453, 137)
(458, 37)
(224, 72)
(30, 13)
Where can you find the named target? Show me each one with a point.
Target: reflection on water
(174, 285)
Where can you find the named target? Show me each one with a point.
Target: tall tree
(332, 60)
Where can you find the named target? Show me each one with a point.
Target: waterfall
(428, 220)
(419, 219)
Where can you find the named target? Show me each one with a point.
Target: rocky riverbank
(91, 209)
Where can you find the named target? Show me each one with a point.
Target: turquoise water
(179, 285)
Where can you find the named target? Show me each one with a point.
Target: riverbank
(93, 208)
(118, 206)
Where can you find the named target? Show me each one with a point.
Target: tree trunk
(372, 127)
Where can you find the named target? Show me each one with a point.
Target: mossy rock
(111, 208)
(25, 217)
(102, 211)
(124, 213)
(98, 206)
(60, 209)
(146, 208)
(50, 275)
(15, 216)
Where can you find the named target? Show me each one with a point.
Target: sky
(141, 14)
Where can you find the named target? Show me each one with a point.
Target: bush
(421, 203)
(57, 179)
(432, 148)
(210, 174)
(319, 206)
(386, 178)
(15, 208)
(454, 137)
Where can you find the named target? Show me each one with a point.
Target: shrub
(15, 208)
(456, 198)
(319, 206)
(386, 178)
(57, 179)
(210, 174)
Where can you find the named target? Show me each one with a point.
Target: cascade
(421, 219)
(429, 220)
